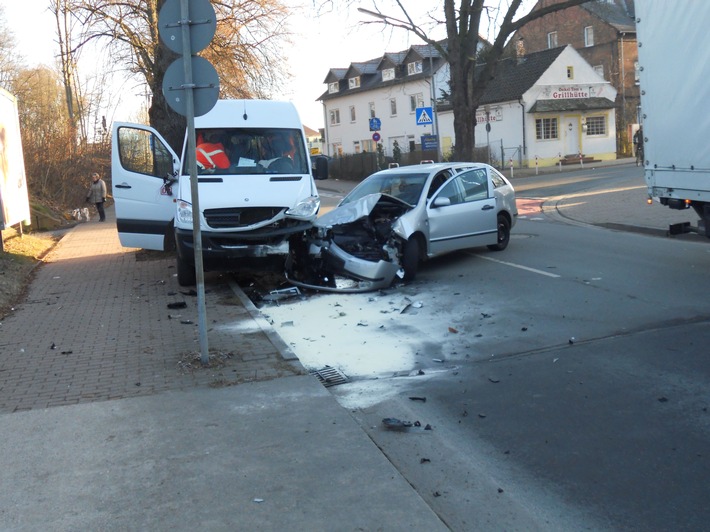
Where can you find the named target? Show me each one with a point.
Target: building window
(393, 107)
(415, 67)
(368, 145)
(636, 72)
(372, 110)
(552, 39)
(599, 69)
(356, 146)
(334, 117)
(354, 83)
(388, 74)
(338, 149)
(333, 87)
(415, 100)
(596, 125)
(546, 129)
(352, 113)
(589, 36)
(570, 72)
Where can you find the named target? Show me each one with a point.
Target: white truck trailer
(674, 68)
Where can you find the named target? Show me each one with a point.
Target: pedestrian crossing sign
(424, 116)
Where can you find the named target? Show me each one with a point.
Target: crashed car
(396, 218)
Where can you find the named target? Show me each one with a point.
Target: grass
(21, 253)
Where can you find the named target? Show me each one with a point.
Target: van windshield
(223, 151)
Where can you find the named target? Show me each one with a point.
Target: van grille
(243, 217)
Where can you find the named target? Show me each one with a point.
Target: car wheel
(410, 258)
(185, 273)
(503, 234)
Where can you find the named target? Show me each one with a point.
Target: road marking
(520, 266)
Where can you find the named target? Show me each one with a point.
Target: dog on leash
(81, 215)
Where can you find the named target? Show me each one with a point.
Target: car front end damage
(356, 247)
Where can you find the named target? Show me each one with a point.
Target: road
(565, 379)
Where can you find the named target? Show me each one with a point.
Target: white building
(540, 107)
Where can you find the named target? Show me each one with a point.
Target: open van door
(143, 172)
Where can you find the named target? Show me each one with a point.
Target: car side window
(475, 184)
(497, 179)
(436, 183)
(452, 190)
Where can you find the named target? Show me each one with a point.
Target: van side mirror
(319, 168)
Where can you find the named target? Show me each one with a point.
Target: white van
(255, 184)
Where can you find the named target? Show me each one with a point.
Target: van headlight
(305, 209)
(184, 212)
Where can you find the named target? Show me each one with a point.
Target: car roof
(429, 167)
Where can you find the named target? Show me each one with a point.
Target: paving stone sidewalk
(95, 325)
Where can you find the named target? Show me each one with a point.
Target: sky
(323, 39)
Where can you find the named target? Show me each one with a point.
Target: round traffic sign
(202, 21)
(376, 137)
(205, 86)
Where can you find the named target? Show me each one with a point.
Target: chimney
(520, 50)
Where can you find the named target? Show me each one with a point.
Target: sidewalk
(110, 423)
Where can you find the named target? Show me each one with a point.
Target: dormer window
(354, 83)
(333, 87)
(388, 74)
(415, 67)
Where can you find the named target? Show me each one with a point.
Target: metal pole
(192, 163)
(435, 117)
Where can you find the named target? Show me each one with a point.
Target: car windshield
(223, 151)
(405, 186)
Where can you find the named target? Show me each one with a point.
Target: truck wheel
(503, 234)
(185, 273)
(410, 258)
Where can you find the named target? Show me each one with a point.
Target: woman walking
(97, 195)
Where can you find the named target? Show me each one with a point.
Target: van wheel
(410, 259)
(185, 273)
(503, 234)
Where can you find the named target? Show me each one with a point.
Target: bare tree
(472, 71)
(9, 65)
(244, 50)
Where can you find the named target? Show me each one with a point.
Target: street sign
(424, 116)
(205, 90)
(203, 24)
(429, 142)
(375, 124)
(376, 137)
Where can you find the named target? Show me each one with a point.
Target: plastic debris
(177, 304)
(453, 331)
(396, 424)
(422, 399)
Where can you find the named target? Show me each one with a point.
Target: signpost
(191, 87)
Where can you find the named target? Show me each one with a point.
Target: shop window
(546, 129)
(552, 39)
(596, 125)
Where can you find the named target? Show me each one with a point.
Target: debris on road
(422, 399)
(177, 304)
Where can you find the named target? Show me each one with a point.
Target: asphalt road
(574, 394)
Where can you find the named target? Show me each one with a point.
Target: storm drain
(329, 376)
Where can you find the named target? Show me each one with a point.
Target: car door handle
(123, 185)
(487, 207)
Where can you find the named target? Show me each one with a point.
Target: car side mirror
(441, 201)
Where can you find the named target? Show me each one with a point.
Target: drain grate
(329, 376)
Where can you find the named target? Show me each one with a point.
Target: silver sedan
(396, 218)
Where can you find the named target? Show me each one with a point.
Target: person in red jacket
(210, 153)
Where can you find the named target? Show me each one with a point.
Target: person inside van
(210, 152)
(278, 152)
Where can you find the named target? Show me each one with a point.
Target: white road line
(520, 266)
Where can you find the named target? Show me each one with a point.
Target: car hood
(355, 210)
